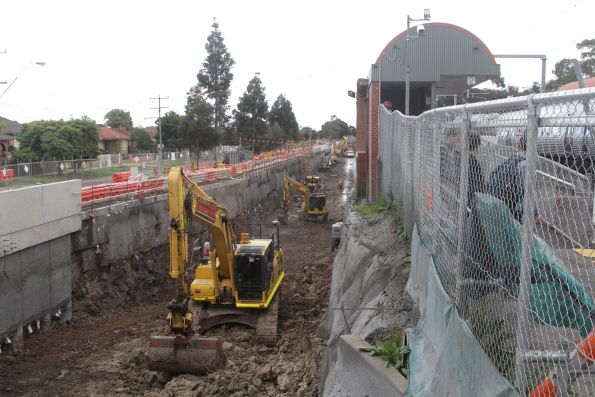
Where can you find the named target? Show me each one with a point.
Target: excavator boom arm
(178, 237)
(184, 352)
(292, 183)
(215, 218)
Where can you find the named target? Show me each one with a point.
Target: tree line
(207, 119)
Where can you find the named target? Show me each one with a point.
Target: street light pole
(407, 71)
(20, 74)
(406, 56)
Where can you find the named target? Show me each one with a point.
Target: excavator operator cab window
(316, 203)
(250, 270)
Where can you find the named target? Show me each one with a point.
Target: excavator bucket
(194, 355)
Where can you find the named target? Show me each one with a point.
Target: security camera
(421, 30)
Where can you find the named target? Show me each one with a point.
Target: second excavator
(313, 205)
(238, 282)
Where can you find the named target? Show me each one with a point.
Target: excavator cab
(253, 268)
(256, 265)
(316, 203)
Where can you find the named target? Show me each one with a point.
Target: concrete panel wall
(60, 270)
(38, 214)
(35, 278)
(35, 252)
(34, 282)
(11, 299)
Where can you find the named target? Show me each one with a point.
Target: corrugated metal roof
(443, 50)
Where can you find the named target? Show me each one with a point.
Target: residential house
(114, 141)
(7, 135)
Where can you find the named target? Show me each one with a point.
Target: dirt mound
(101, 291)
(289, 368)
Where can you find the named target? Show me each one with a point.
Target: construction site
(96, 342)
(275, 277)
(443, 245)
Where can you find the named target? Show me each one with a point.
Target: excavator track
(266, 326)
(263, 321)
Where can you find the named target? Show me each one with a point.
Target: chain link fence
(502, 195)
(98, 170)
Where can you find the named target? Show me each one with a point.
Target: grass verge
(372, 209)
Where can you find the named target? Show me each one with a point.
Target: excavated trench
(117, 307)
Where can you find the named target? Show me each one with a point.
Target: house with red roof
(8, 131)
(589, 83)
(114, 141)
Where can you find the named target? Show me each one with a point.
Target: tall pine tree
(252, 114)
(215, 77)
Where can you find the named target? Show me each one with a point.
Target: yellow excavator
(238, 282)
(315, 183)
(313, 205)
(341, 147)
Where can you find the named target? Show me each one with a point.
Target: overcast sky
(108, 54)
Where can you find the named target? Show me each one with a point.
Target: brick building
(444, 61)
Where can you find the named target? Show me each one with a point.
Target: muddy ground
(102, 351)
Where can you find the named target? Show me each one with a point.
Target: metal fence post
(527, 246)
(416, 171)
(436, 190)
(462, 215)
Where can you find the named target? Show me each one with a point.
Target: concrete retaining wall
(36, 214)
(34, 282)
(117, 232)
(35, 248)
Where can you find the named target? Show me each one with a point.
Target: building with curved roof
(444, 60)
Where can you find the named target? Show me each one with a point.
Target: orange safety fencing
(585, 350)
(120, 176)
(121, 186)
(6, 174)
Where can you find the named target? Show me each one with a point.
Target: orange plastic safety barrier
(6, 174)
(429, 198)
(120, 176)
(586, 349)
(545, 389)
(208, 172)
